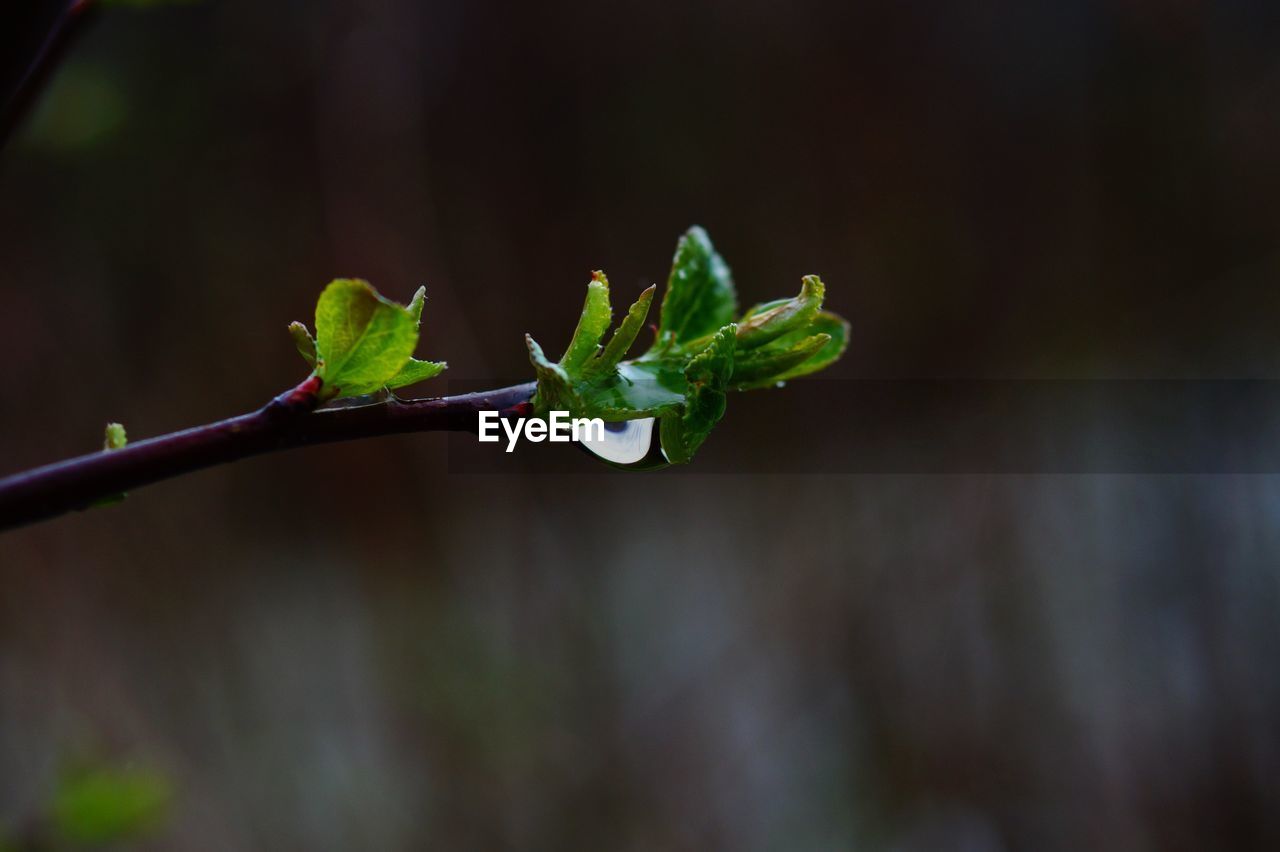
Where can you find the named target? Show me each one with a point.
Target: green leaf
(416, 371)
(632, 391)
(625, 334)
(363, 341)
(764, 323)
(835, 327)
(700, 294)
(303, 340)
(592, 325)
(699, 355)
(764, 367)
(103, 806)
(707, 377)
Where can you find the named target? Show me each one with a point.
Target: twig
(290, 420)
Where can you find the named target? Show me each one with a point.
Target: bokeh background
(362, 647)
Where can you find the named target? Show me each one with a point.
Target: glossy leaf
(700, 296)
(633, 391)
(699, 353)
(592, 325)
(707, 379)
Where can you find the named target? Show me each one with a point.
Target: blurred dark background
(354, 647)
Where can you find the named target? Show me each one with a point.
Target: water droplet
(631, 444)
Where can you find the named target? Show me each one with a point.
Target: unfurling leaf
(363, 342)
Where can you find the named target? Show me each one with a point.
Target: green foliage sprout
(364, 343)
(699, 354)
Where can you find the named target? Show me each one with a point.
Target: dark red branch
(286, 422)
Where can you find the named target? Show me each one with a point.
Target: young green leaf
(707, 377)
(363, 342)
(416, 371)
(835, 327)
(303, 340)
(632, 391)
(362, 339)
(760, 368)
(625, 392)
(592, 325)
(624, 335)
(698, 355)
(764, 323)
(700, 296)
